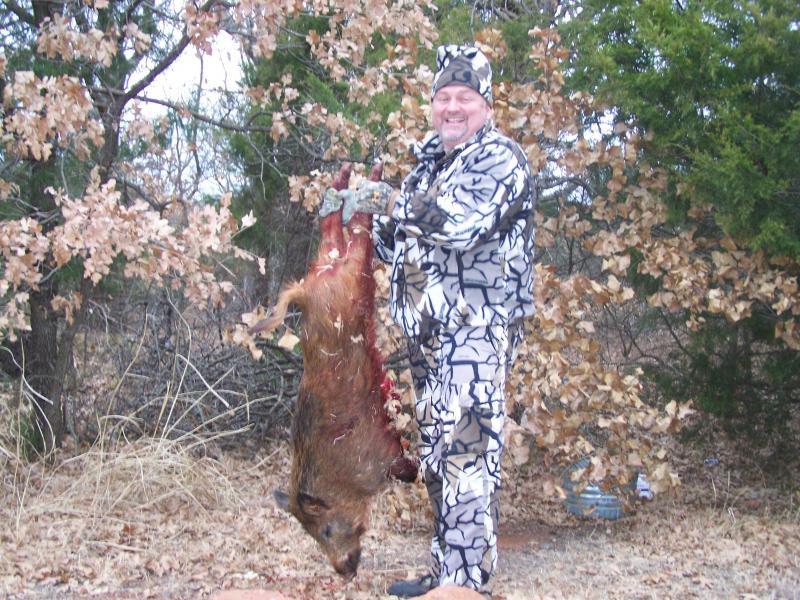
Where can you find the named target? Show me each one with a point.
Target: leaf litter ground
(153, 519)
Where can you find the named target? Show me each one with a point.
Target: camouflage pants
(459, 376)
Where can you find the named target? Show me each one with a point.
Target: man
(459, 237)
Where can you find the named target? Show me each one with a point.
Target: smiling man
(459, 237)
(458, 113)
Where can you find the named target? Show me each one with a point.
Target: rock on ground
(452, 592)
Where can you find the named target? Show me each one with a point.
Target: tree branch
(164, 64)
(126, 183)
(547, 183)
(182, 108)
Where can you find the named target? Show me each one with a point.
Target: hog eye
(327, 531)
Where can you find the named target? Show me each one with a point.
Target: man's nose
(452, 105)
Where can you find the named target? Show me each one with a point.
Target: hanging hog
(344, 446)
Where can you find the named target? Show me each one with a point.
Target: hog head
(337, 526)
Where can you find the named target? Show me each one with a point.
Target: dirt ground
(154, 520)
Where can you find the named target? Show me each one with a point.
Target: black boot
(414, 587)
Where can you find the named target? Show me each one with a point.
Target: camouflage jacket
(460, 238)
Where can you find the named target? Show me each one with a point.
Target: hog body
(344, 447)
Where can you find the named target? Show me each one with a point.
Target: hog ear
(311, 505)
(281, 499)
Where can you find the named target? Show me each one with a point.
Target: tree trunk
(48, 358)
(41, 359)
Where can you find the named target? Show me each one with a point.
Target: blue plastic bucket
(592, 502)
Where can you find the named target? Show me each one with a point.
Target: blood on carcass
(345, 448)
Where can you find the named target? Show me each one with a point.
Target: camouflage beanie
(465, 65)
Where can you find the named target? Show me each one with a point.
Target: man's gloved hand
(331, 202)
(370, 197)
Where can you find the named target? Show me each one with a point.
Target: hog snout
(347, 566)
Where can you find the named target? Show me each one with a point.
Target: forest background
(663, 135)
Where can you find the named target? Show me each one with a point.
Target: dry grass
(138, 478)
(156, 519)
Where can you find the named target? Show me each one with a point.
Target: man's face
(458, 113)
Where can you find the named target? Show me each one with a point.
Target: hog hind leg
(359, 263)
(360, 251)
(332, 245)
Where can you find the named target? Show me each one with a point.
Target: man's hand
(370, 197)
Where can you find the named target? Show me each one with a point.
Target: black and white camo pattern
(460, 238)
(459, 378)
(464, 65)
(460, 242)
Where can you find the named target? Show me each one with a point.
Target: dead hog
(344, 447)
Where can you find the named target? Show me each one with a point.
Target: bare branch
(182, 108)
(547, 183)
(162, 66)
(165, 62)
